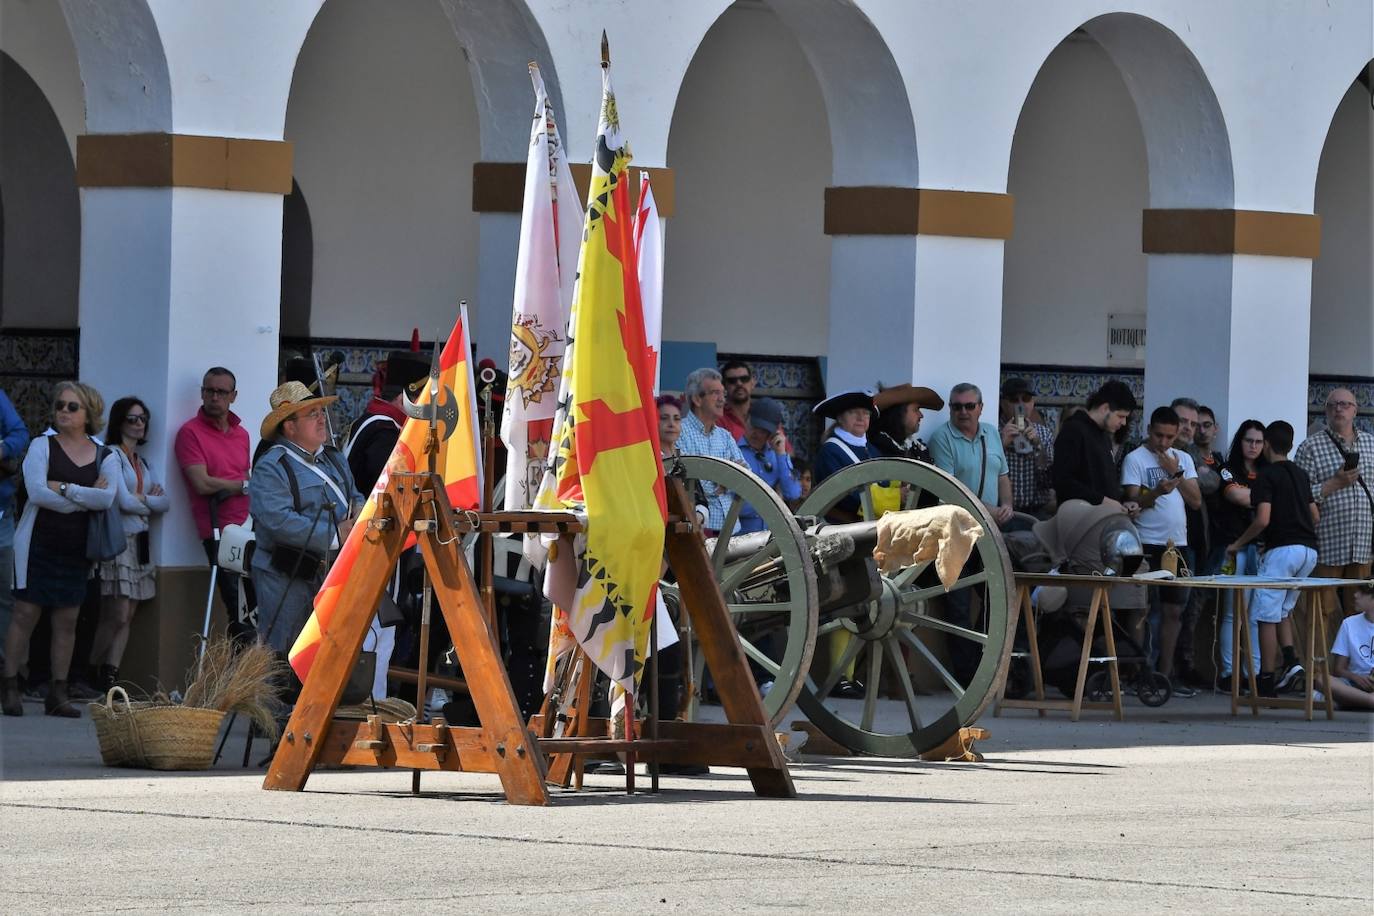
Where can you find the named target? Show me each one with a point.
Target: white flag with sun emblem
(545, 268)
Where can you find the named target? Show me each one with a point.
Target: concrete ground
(1181, 808)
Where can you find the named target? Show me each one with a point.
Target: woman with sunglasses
(129, 578)
(1233, 516)
(66, 479)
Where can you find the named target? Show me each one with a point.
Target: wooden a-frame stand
(503, 743)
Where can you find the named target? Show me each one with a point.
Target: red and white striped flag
(545, 271)
(649, 246)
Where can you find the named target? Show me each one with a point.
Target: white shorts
(1292, 561)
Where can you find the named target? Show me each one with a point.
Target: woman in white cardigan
(129, 578)
(66, 479)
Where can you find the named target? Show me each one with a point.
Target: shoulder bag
(105, 527)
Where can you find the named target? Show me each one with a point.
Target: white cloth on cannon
(944, 534)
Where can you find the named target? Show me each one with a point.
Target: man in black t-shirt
(1286, 517)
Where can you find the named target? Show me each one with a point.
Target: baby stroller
(1082, 539)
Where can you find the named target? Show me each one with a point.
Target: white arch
(1186, 142)
(123, 65)
(499, 39)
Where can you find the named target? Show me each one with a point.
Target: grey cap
(766, 414)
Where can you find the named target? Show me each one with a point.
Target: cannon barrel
(829, 544)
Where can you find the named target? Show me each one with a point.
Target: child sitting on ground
(1350, 684)
(1286, 516)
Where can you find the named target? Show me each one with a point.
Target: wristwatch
(62, 489)
(244, 487)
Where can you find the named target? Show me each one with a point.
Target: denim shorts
(1292, 561)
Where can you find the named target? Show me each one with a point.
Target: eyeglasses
(735, 379)
(963, 405)
(1252, 441)
(315, 414)
(68, 406)
(137, 418)
(209, 392)
(1344, 405)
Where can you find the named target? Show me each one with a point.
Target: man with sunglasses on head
(738, 379)
(1339, 460)
(212, 450)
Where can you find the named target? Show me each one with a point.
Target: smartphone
(1352, 460)
(1020, 416)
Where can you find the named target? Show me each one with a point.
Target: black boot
(106, 678)
(57, 702)
(11, 700)
(1265, 684)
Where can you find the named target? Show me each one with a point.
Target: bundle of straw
(246, 681)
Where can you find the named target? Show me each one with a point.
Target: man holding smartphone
(764, 447)
(1029, 446)
(1339, 459)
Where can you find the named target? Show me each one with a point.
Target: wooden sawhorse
(1099, 611)
(1318, 653)
(503, 743)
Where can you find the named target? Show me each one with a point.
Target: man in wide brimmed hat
(303, 503)
(899, 420)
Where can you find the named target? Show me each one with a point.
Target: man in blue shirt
(764, 446)
(972, 452)
(14, 438)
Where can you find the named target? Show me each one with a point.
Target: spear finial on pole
(605, 50)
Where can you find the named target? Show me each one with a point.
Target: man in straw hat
(303, 503)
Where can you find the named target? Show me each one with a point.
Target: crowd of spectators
(1250, 509)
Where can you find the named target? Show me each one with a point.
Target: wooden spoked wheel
(888, 646)
(767, 580)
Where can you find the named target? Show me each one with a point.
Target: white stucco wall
(1343, 277)
(1079, 178)
(746, 261)
(35, 34)
(382, 116)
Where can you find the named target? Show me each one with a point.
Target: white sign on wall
(1126, 339)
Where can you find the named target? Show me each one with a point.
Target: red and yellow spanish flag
(605, 460)
(459, 463)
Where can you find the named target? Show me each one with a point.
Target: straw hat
(908, 394)
(286, 401)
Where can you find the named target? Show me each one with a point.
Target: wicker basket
(155, 736)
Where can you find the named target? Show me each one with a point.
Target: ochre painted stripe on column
(1262, 232)
(183, 161)
(499, 187)
(917, 211)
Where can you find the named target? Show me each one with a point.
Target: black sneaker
(604, 767)
(1289, 679)
(1182, 690)
(848, 689)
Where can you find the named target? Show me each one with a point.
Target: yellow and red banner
(459, 463)
(605, 461)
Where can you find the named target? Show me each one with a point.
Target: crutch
(214, 578)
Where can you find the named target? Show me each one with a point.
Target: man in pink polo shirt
(212, 449)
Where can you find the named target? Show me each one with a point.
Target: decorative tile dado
(795, 383)
(33, 360)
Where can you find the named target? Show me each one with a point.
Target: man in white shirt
(1163, 481)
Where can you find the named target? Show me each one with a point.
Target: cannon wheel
(888, 627)
(771, 593)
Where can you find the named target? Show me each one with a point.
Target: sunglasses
(735, 379)
(68, 406)
(215, 392)
(963, 405)
(137, 419)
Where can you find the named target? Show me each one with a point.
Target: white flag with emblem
(545, 268)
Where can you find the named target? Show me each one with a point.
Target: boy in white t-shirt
(1163, 482)
(1351, 684)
